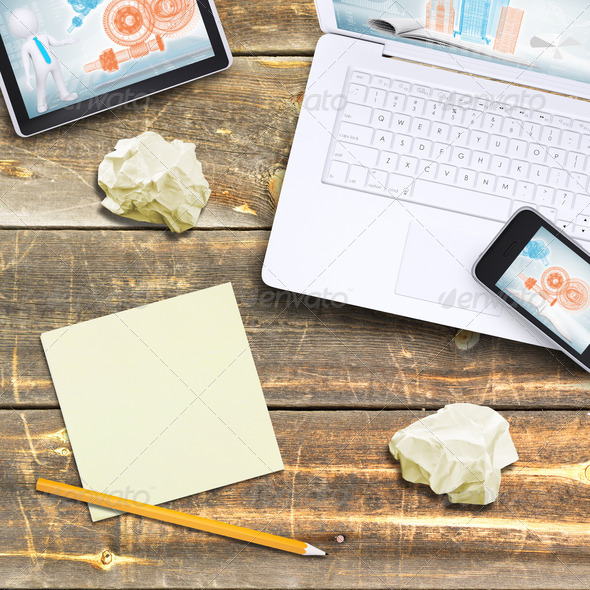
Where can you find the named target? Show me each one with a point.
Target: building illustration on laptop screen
(542, 36)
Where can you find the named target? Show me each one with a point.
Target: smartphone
(543, 276)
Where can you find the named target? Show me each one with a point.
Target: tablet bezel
(26, 126)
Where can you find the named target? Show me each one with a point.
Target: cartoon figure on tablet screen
(37, 50)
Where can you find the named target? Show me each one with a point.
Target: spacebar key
(460, 200)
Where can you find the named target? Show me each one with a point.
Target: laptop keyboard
(403, 140)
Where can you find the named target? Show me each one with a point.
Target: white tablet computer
(63, 60)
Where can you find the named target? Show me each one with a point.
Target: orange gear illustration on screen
(573, 295)
(553, 279)
(174, 17)
(131, 23)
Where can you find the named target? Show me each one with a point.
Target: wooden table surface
(339, 381)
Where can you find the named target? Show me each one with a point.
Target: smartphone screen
(545, 277)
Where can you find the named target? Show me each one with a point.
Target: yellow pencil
(175, 517)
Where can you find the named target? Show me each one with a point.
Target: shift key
(356, 154)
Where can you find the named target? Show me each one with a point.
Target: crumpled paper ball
(458, 451)
(150, 179)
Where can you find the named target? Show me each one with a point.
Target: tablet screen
(67, 52)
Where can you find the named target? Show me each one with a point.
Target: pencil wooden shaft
(172, 516)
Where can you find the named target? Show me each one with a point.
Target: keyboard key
(519, 169)
(395, 101)
(570, 140)
(531, 131)
(558, 178)
(356, 113)
(581, 232)
(401, 123)
(500, 165)
(525, 190)
(498, 144)
(564, 200)
(408, 165)
(377, 180)
(388, 161)
(536, 153)
(463, 200)
(478, 139)
(381, 119)
(420, 127)
(422, 148)
(337, 172)
(427, 170)
(355, 133)
(356, 93)
(556, 154)
(575, 162)
(538, 173)
(415, 106)
(376, 97)
(400, 86)
(398, 185)
(357, 176)
(540, 117)
(452, 114)
(421, 90)
(516, 148)
(544, 195)
(565, 225)
(459, 157)
(360, 77)
(382, 139)
(381, 82)
(356, 154)
(459, 136)
(402, 144)
(584, 143)
(466, 178)
(583, 220)
(440, 131)
(505, 186)
(511, 128)
(446, 174)
(481, 161)
(491, 122)
(548, 212)
(434, 109)
(562, 122)
(577, 182)
(550, 135)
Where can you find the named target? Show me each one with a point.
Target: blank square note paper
(163, 401)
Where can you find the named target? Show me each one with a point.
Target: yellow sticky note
(163, 401)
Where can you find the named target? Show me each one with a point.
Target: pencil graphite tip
(311, 550)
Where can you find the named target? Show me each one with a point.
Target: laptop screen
(542, 36)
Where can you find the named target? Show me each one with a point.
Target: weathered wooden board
(265, 27)
(309, 354)
(339, 479)
(241, 120)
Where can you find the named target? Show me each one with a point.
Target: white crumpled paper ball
(150, 179)
(458, 451)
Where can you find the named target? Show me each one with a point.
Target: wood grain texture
(339, 479)
(242, 122)
(309, 353)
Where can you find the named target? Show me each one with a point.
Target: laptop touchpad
(436, 266)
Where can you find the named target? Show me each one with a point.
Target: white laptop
(421, 132)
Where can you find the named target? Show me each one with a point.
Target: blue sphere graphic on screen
(83, 8)
(537, 250)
